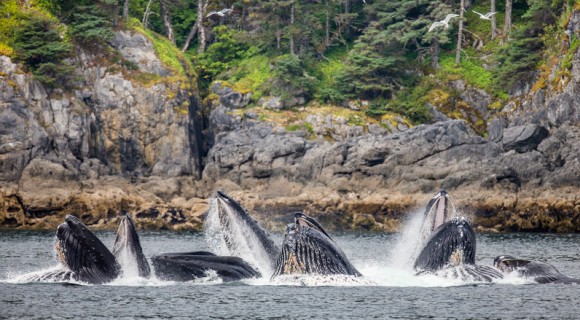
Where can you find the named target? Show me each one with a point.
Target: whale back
(84, 254)
(128, 247)
(309, 250)
(187, 266)
(452, 243)
(541, 272)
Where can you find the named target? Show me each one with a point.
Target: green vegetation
(40, 47)
(380, 54)
(470, 70)
(169, 55)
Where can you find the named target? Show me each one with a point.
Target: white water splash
(336, 280)
(128, 262)
(244, 243)
(409, 243)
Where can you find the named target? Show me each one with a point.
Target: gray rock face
(523, 138)
(274, 103)
(136, 48)
(250, 154)
(127, 128)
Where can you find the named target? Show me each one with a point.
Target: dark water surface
(394, 293)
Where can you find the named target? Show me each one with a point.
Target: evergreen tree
(40, 46)
(518, 60)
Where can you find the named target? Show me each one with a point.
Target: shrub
(291, 77)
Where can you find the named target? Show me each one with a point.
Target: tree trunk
(146, 14)
(126, 10)
(327, 27)
(493, 24)
(460, 33)
(167, 21)
(507, 27)
(278, 38)
(292, 8)
(347, 11)
(192, 33)
(201, 6)
(435, 52)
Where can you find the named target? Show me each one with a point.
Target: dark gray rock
(523, 138)
(229, 97)
(495, 129)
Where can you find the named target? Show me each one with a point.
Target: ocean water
(389, 290)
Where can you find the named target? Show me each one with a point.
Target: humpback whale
(127, 247)
(229, 223)
(85, 256)
(450, 251)
(186, 266)
(308, 249)
(540, 272)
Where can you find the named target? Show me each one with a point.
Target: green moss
(470, 70)
(170, 56)
(356, 120)
(567, 60)
(293, 127)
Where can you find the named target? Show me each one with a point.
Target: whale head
(84, 254)
(451, 243)
(240, 233)
(128, 247)
(308, 249)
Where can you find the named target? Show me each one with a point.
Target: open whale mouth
(439, 208)
(306, 221)
(233, 229)
(127, 249)
(84, 254)
(308, 249)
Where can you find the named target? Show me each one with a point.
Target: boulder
(523, 138)
(229, 97)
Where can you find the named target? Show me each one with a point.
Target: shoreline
(179, 204)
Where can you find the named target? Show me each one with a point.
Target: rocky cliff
(90, 151)
(116, 144)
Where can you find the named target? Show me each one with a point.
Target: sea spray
(408, 244)
(129, 264)
(233, 236)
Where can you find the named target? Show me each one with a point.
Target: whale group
(448, 249)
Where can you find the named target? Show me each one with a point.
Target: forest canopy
(331, 51)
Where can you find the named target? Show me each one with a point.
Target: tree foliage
(518, 60)
(330, 50)
(39, 44)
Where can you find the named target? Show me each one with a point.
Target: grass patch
(469, 69)
(250, 75)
